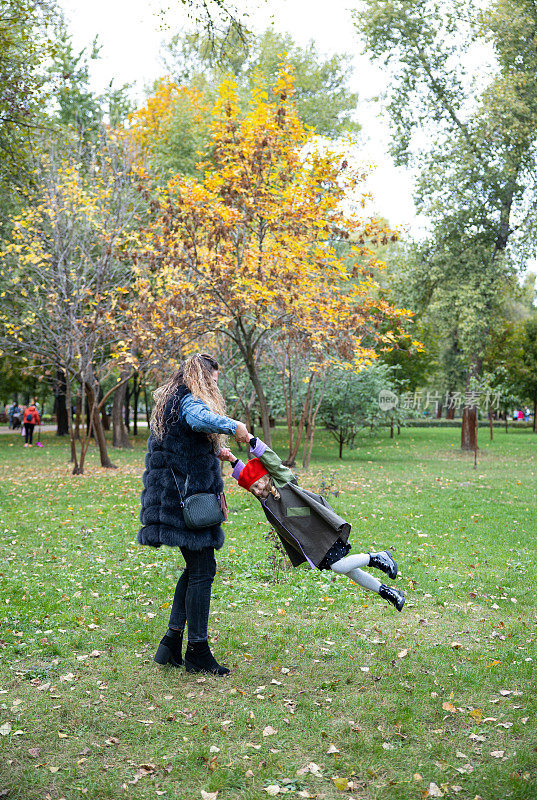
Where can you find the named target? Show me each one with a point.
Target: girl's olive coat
(191, 454)
(305, 523)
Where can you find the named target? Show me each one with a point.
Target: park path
(44, 429)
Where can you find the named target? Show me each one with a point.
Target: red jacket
(33, 412)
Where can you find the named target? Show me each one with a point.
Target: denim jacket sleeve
(200, 418)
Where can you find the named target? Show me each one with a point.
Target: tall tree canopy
(249, 251)
(472, 138)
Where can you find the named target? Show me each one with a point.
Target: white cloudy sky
(131, 35)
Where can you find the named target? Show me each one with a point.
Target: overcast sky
(131, 35)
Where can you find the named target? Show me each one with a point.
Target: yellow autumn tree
(254, 250)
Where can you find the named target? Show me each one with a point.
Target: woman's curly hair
(196, 374)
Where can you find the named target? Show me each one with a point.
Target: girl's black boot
(169, 649)
(385, 562)
(198, 658)
(393, 596)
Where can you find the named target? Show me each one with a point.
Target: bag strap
(182, 505)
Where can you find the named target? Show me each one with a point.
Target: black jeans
(192, 598)
(28, 432)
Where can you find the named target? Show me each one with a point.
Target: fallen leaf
(340, 783)
(505, 692)
(214, 749)
(5, 729)
(449, 707)
(403, 653)
(477, 737)
(417, 777)
(497, 753)
(112, 740)
(272, 790)
(311, 767)
(387, 746)
(332, 749)
(476, 713)
(456, 645)
(435, 791)
(269, 731)
(248, 774)
(209, 795)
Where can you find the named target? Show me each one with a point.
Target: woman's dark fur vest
(188, 453)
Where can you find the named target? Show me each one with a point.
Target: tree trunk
(391, 428)
(72, 437)
(100, 438)
(78, 415)
(60, 404)
(439, 411)
(303, 417)
(340, 447)
(450, 407)
(262, 400)
(135, 396)
(127, 406)
(147, 409)
(311, 429)
(469, 428)
(104, 416)
(120, 434)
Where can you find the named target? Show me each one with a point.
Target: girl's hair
(196, 374)
(272, 489)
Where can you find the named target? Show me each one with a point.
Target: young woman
(308, 528)
(187, 427)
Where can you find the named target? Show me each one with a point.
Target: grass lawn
(333, 694)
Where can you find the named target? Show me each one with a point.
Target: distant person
(15, 416)
(30, 418)
(520, 415)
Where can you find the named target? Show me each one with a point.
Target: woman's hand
(241, 434)
(225, 454)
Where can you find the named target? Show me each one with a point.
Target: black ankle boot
(169, 649)
(198, 658)
(393, 596)
(385, 562)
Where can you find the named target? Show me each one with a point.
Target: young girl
(308, 528)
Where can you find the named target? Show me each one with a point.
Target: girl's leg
(349, 566)
(382, 561)
(345, 565)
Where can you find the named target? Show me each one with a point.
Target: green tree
(322, 95)
(477, 168)
(351, 402)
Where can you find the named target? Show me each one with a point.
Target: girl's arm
(279, 473)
